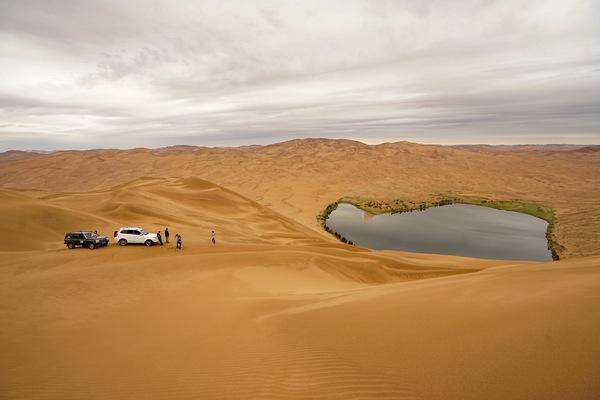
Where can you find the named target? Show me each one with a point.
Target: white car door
(136, 237)
(128, 235)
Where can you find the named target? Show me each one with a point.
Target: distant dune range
(278, 308)
(298, 178)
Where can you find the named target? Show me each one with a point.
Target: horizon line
(198, 146)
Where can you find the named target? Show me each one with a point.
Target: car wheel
(148, 243)
(122, 242)
(70, 245)
(91, 246)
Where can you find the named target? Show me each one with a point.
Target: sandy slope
(277, 309)
(279, 321)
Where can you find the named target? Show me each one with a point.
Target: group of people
(179, 239)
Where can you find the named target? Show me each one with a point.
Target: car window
(135, 232)
(90, 235)
(142, 232)
(125, 231)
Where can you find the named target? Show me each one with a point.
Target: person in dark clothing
(167, 235)
(179, 241)
(159, 237)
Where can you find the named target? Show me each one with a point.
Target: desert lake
(457, 229)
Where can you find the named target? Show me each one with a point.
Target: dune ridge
(278, 309)
(279, 322)
(300, 177)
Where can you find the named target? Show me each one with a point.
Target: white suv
(134, 235)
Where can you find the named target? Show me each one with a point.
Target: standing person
(159, 237)
(167, 235)
(179, 241)
(213, 237)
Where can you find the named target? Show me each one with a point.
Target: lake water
(457, 229)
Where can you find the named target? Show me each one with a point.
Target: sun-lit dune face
(299, 178)
(277, 308)
(188, 205)
(33, 224)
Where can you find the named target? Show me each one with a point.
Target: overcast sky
(85, 74)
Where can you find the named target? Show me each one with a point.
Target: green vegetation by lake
(525, 207)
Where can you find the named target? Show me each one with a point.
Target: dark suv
(87, 239)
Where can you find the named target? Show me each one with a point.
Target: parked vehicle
(134, 235)
(87, 239)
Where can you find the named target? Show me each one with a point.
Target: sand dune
(29, 223)
(300, 177)
(278, 322)
(277, 309)
(192, 206)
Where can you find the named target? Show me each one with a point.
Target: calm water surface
(457, 229)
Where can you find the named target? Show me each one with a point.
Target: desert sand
(278, 308)
(299, 177)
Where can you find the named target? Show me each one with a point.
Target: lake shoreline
(377, 207)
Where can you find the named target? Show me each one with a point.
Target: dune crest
(299, 178)
(277, 308)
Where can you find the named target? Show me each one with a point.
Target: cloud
(115, 74)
